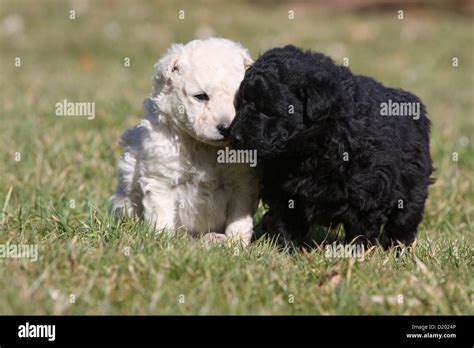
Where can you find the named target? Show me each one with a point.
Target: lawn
(57, 173)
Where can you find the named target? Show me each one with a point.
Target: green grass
(122, 267)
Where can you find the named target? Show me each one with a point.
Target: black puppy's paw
(276, 230)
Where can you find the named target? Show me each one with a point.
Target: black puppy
(334, 148)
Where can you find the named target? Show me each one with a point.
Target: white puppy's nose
(223, 128)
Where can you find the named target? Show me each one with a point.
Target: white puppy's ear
(248, 61)
(167, 66)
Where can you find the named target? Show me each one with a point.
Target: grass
(56, 195)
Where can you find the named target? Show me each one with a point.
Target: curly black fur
(335, 159)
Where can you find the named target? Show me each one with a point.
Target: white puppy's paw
(213, 238)
(240, 231)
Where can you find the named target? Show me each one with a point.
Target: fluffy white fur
(168, 173)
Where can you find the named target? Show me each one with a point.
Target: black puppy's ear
(321, 96)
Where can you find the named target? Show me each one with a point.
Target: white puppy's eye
(201, 97)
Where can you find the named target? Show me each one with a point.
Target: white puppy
(169, 172)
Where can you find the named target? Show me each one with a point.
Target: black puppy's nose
(236, 139)
(223, 129)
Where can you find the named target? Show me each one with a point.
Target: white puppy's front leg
(159, 208)
(242, 206)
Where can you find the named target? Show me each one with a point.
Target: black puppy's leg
(288, 228)
(274, 227)
(353, 233)
(366, 232)
(403, 223)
